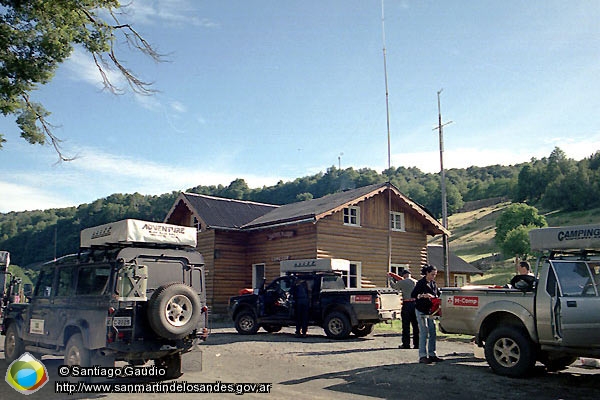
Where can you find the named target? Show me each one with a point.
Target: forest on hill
(555, 182)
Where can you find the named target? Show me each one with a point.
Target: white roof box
(136, 231)
(579, 237)
(314, 264)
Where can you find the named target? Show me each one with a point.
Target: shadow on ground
(455, 380)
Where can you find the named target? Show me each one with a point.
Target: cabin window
(352, 216)
(397, 269)
(353, 278)
(460, 280)
(197, 224)
(397, 221)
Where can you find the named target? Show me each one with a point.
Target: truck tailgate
(391, 301)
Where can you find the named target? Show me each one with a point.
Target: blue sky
(271, 90)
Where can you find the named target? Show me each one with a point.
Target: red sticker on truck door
(464, 301)
(361, 299)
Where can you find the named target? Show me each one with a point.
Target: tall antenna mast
(389, 154)
(387, 95)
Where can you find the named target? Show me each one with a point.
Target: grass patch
(497, 275)
(394, 326)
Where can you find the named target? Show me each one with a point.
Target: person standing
(301, 306)
(408, 315)
(425, 290)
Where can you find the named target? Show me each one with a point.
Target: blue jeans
(427, 335)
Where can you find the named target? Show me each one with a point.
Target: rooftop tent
(314, 265)
(135, 231)
(576, 237)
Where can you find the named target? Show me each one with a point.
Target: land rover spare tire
(174, 310)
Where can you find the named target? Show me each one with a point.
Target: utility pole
(443, 190)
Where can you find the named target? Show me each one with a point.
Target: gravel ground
(374, 367)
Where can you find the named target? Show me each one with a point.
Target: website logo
(26, 374)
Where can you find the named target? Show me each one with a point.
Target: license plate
(118, 321)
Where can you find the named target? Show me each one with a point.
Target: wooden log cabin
(243, 242)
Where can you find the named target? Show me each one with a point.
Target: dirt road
(319, 368)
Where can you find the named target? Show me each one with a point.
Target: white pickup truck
(555, 322)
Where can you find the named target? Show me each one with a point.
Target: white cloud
(178, 107)
(464, 157)
(18, 197)
(173, 12)
(152, 177)
(96, 174)
(84, 68)
(576, 148)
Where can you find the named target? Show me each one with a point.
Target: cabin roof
(225, 213)
(435, 257)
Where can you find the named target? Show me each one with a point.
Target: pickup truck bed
(464, 308)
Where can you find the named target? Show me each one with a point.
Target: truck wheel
(172, 364)
(363, 330)
(13, 344)
(174, 310)
(509, 352)
(556, 363)
(337, 325)
(245, 323)
(272, 328)
(76, 353)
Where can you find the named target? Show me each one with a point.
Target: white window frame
(256, 276)
(196, 223)
(394, 221)
(357, 265)
(396, 268)
(349, 219)
(460, 277)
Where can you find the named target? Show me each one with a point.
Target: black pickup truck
(338, 310)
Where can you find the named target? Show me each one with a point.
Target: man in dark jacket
(301, 306)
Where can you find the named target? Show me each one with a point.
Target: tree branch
(46, 128)
(134, 39)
